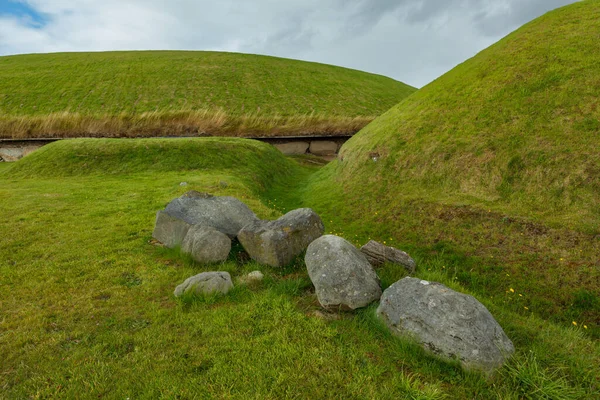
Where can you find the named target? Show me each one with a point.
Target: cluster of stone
(443, 321)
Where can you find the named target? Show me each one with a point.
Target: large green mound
(173, 92)
(495, 165)
(516, 128)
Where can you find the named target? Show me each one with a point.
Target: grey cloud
(410, 40)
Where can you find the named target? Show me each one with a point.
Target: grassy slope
(176, 92)
(494, 166)
(88, 309)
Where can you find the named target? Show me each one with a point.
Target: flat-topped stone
(225, 214)
(206, 283)
(277, 243)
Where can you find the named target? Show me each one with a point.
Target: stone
(255, 276)
(341, 274)
(277, 243)
(292, 148)
(170, 230)
(11, 153)
(323, 147)
(445, 322)
(378, 254)
(206, 245)
(225, 214)
(206, 283)
(183, 184)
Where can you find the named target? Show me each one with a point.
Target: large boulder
(206, 283)
(225, 214)
(448, 323)
(323, 148)
(341, 274)
(276, 243)
(206, 245)
(379, 254)
(292, 148)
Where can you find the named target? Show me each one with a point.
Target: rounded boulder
(341, 274)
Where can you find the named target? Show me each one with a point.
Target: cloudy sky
(413, 41)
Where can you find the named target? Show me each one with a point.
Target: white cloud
(412, 41)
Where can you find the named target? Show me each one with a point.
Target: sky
(413, 41)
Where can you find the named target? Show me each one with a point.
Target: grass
(487, 177)
(493, 169)
(175, 93)
(88, 311)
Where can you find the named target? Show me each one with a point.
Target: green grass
(88, 311)
(158, 93)
(494, 169)
(488, 177)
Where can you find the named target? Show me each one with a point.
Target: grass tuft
(535, 382)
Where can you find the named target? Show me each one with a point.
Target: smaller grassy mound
(258, 162)
(158, 93)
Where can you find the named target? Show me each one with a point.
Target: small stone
(223, 184)
(183, 184)
(206, 283)
(255, 276)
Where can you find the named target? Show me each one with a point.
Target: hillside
(154, 93)
(495, 163)
(89, 295)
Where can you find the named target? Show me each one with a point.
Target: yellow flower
(585, 327)
(512, 290)
(574, 323)
(527, 308)
(520, 295)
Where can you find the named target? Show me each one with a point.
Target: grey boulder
(206, 283)
(206, 245)
(341, 274)
(276, 243)
(445, 322)
(170, 230)
(225, 214)
(378, 254)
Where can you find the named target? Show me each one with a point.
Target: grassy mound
(154, 93)
(495, 163)
(80, 157)
(88, 297)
